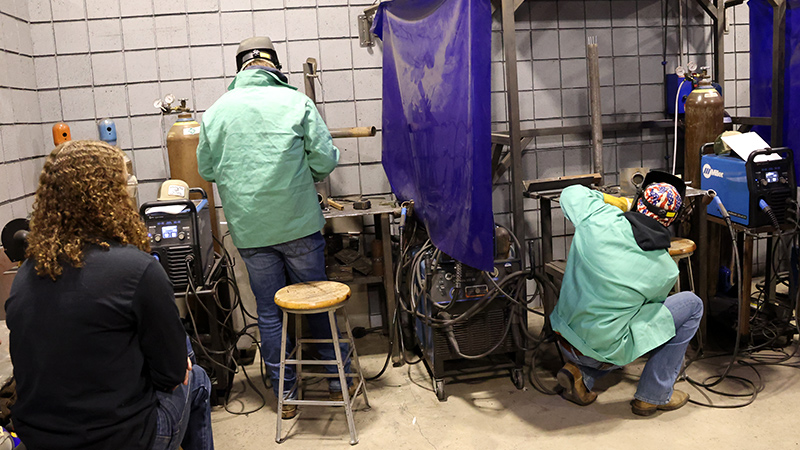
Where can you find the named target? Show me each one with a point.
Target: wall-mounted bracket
(365, 37)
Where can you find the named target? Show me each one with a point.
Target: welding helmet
(660, 197)
(256, 47)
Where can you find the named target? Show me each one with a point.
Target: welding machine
(743, 185)
(180, 238)
(484, 330)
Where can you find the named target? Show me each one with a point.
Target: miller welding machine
(180, 238)
(751, 188)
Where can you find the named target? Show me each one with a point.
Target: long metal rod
(512, 103)
(593, 73)
(352, 132)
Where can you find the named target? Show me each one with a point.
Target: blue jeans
(269, 269)
(184, 415)
(666, 361)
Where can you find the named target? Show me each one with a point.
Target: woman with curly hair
(99, 353)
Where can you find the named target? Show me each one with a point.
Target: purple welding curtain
(436, 119)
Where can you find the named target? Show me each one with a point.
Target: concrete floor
(492, 414)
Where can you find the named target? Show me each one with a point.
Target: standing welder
(265, 145)
(613, 306)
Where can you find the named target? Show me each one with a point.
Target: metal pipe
(309, 73)
(593, 72)
(354, 132)
(512, 105)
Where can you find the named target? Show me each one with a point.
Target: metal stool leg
(361, 381)
(691, 277)
(342, 379)
(298, 345)
(281, 375)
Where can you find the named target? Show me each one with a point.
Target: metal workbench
(382, 211)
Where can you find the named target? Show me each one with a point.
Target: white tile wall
(66, 9)
(171, 31)
(141, 65)
(100, 9)
(71, 37)
(74, 70)
(172, 63)
(104, 35)
(138, 32)
(111, 101)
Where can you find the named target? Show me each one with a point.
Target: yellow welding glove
(622, 203)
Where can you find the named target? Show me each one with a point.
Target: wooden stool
(313, 298)
(679, 249)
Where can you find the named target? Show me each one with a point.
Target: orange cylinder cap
(61, 133)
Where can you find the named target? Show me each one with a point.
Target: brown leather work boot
(338, 397)
(571, 381)
(678, 399)
(288, 412)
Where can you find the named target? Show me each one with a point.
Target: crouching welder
(613, 306)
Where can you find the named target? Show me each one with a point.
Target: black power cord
(709, 383)
(227, 281)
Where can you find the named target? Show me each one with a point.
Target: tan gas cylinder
(182, 140)
(704, 122)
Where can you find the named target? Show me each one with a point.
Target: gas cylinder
(182, 140)
(704, 122)
(61, 133)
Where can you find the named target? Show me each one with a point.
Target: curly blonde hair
(81, 200)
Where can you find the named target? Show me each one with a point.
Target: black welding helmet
(661, 211)
(256, 47)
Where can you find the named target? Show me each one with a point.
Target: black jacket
(90, 349)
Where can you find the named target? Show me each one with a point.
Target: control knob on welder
(157, 238)
(784, 180)
(764, 182)
(181, 236)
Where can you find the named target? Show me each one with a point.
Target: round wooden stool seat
(681, 246)
(312, 295)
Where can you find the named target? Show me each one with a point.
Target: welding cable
(766, 327)
(765, 207)
(418, 286)
(707, 383)
(536, 382)
(478, 305)
(779, 361)
(513, 319)
(227, 353)
(675, 132)
(399, 303)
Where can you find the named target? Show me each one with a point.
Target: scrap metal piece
(362, 204)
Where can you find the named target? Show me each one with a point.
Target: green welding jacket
(265, 145)
(611, 302)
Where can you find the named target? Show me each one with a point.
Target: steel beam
(512, 103)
